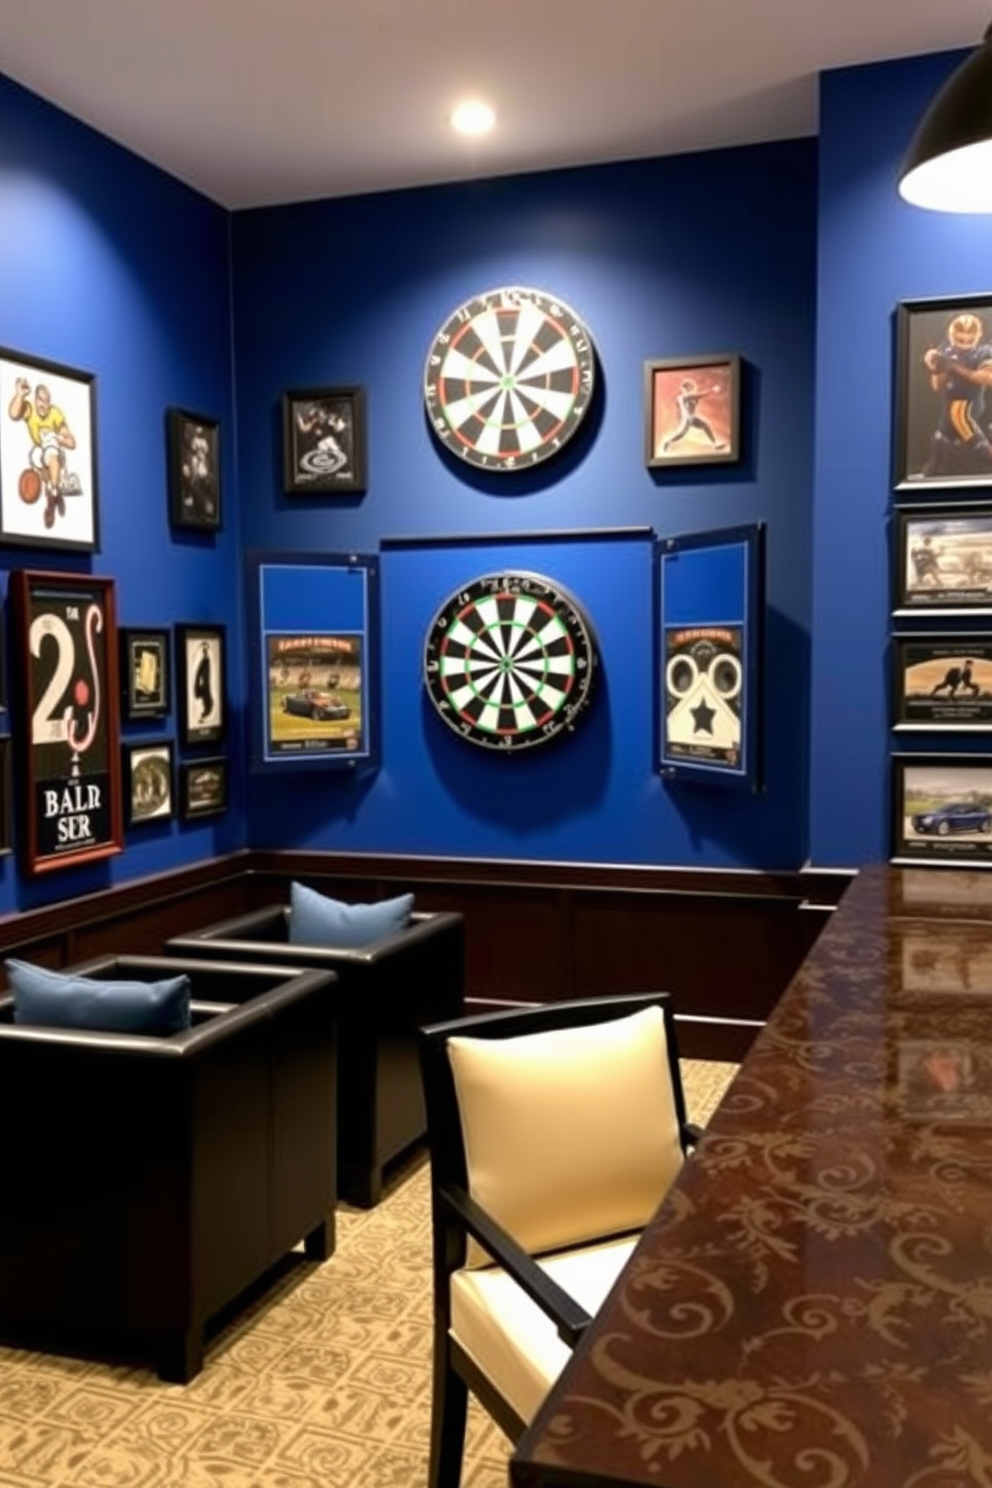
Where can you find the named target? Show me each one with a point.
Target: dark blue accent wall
(708, 253)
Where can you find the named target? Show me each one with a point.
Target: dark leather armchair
(386, 991)
(147, 1181)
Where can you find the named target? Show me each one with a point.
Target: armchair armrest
(569, 1318)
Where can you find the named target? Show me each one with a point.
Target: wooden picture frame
(194, 470)
(149, 771)
(940, 425)
(6, 796)
(324, 441)
(942, 560)
(66, 638)
(48, 476)
(692, 411)
(146, 673)
(942, 809)
(942, 682)
(203, 788)
(201, 683)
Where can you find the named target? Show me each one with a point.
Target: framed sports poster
(324, 441)
(943, 393)
(315, 660)
(692, 411)
(67, 665)
(942, 682)
(710, 600)
(943, 560)
(194, 470)
(201, 690)
(48, 484)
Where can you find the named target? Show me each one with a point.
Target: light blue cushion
(314, 919)
(56, 999)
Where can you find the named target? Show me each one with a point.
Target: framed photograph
(194, 470)
(692, 411)
(942, 424)
(201, 690)
(146, 673)
(324, 441)
(314, 660)
(48, 481)
(942, 809)
(66, 647)
(943, 560)
(202, 788)
(942, 682)
(148, 772)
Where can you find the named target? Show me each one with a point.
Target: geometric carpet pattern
(319, 1380)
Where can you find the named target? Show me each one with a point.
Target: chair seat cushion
(514, 1344)
(55, 999)
(317, 920)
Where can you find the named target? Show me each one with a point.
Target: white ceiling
(256, 102)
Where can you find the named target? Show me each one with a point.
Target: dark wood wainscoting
(726, 944)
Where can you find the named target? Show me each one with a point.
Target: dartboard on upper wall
(510, 661)
(509, 378)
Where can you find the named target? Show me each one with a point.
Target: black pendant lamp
(948, 166)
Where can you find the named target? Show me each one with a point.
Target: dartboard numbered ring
(509, 378)
(510, 662)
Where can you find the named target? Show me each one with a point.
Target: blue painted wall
(874, 251)
(709, 253)
(112, 267)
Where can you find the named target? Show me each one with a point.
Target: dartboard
(509, 377)
(510, 661)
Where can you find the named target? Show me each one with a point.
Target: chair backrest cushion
(570, 1134)
(55, 999)
(315, 919)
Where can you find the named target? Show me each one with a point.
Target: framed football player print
(48, 483)
(67, 675)
(201, 683)
(709, 604)
(943, 393)
(942, 560)
(324, 441)
(692, 411)
(194, 470)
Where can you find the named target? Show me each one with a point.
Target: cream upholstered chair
(554, 1132)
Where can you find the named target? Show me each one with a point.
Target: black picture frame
(941, 809)
(203, 788)
(942, 682)
(6, 795)
(942, 560)
(146, 673)
(942, 436)
(195, 493)
(48, 472)
(149, 781)
(324, 441)
(201, 683)
(692, 411)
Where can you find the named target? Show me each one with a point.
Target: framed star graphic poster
(710, 603)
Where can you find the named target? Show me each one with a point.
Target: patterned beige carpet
(322, 1381)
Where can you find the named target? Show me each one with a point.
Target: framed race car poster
(709, 606)
(315, 661)
(67, 672)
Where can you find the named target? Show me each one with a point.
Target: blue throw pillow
(57, 999)
(316, 920)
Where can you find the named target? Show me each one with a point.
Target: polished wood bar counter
(812, 1305)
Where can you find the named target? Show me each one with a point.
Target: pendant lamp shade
(948, 166)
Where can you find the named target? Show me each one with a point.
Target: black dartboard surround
(510, 661)
(509, 378)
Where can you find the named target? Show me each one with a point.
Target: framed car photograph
(942, 809)
(324, 441)
(48, 479)
(148, 775)
(201, 683)
(941, 421)
(942, 560)
(203, 788)
(146, 673)
(66, 653)
(692, 411)
(193, 442)
(942, 682)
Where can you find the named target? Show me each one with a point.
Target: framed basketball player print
(324, 441)
(692, 411)
(201, 683)
(48, 481)
(943, 397)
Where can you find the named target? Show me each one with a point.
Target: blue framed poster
(709, 605)
(315, 660)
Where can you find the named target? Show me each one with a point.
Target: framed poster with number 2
(67, 672)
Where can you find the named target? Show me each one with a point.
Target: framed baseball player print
(324, 442)
(710, 604)
(692, 411)
(194, 470)
(48, 481)
(69, 722)
(943, 399)
(201, 683)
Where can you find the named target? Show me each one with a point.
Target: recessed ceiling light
(472, 117)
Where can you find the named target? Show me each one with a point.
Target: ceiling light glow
(472, 117)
